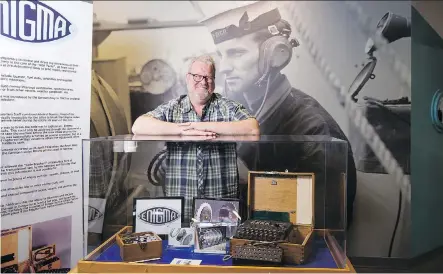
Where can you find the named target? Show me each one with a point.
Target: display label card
(186, 261)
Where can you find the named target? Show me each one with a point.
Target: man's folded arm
(244, 127)
(156, 122)
(241, 123)
(148, 125)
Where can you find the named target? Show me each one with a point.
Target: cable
(400, 198)
(394, 232)
(436, 113)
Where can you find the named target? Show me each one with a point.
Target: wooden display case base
(90, 265)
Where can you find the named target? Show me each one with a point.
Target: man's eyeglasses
(198, 78)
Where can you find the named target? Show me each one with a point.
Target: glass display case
(245, 203)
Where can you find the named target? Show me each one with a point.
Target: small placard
(186, 261)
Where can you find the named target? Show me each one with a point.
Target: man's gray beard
(197, 94)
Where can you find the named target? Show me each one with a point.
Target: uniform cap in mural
(238, 18)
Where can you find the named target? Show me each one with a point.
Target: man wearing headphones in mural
(199, 169)
(254, 46)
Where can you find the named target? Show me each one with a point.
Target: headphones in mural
(275, 54)
(276, 51)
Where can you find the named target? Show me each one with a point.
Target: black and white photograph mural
(264, 60)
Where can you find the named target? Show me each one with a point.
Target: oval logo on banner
(94, 214)
(32, 21)
(159, 215)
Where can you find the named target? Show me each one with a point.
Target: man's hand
(194, 132)
(195, 129)
(192, 126)
(244, 127)
(173, 137)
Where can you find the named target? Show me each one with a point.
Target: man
(253, 44)
(199, 169)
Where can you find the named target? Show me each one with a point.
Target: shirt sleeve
(241, 113)
(160, 112)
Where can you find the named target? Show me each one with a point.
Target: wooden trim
(336, 251)
(96, 252)
(117, 267)
(350, 266)
(308, 237)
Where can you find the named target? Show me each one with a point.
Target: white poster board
(45, 76)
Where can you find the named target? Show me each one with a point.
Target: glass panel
(335, 199)
(120, 170)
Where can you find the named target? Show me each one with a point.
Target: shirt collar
(187, 106)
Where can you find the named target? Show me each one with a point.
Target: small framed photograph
(158, 214)
(215, 210)
(211, 238)
(181, 237)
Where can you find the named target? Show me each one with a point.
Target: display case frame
(333, 247)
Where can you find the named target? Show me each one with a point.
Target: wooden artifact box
(140, 251)
(288, 194)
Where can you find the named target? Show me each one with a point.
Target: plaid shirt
(199, 169)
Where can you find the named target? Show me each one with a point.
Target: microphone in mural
(391, 27)
(390, 116)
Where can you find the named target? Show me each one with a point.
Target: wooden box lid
(282, 192)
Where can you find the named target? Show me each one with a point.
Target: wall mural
(263, 62)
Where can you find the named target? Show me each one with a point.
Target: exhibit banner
(45, 75)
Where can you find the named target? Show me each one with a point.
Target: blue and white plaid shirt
(200, 169)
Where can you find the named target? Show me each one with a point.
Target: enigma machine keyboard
(263, 230)
(265, 253)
